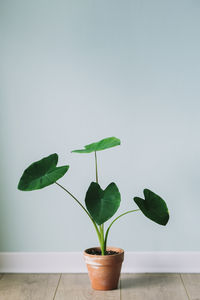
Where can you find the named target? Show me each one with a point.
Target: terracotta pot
(104, 271)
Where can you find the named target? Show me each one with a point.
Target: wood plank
(77, 287)
(192, 285)
(152, 286)
(28, 286)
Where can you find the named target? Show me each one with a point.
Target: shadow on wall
(4, 217)
(7, 227)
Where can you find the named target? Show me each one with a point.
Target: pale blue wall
(73, 72)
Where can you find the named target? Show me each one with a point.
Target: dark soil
(98, 252)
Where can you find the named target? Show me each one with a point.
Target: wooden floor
(77, 287)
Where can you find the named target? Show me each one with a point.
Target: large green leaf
(101, 145)
(102, 204)
(41, 174)
(153, 207)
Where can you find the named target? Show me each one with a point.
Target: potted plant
(103, 262)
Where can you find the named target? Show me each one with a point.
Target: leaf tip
(18, 187)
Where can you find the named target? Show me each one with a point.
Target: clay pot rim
(121, 251)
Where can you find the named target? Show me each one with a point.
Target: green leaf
(153, 207)
(102, 204)
(41, 174)
(101, 145)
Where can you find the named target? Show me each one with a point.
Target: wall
(73, 72)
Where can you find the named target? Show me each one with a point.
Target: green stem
(107, 231)
(96, 228)
(101, 227)
(95, 154)
(102, 239)
(104, 245)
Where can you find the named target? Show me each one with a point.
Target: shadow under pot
(104, 270)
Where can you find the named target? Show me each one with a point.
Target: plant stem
(96, 228)
(103, 248)
(101, 227)
(95, 154)
(107, 231)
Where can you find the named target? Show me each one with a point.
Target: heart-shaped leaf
(153, 207)
(102, 204)
(101, 145)
(41, 174)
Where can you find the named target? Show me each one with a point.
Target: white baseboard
(73, 262)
